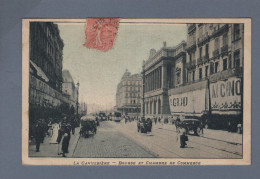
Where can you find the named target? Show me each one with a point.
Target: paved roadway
(122, 140)
(109, 142)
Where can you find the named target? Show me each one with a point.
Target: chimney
(164, 44)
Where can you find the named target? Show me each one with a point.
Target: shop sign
(192, 102)
(226, 95)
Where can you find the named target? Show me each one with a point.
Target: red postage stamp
(101, 33)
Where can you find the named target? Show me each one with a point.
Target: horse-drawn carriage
(144, 125)
(88, 124)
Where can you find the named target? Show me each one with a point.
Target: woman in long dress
(55, 134)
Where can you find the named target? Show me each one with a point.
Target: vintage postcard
(111, 91)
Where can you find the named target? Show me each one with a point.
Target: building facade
(163, 70)
(46, 48)
(46, 99)
(69, 89)
(212, 89)
(128, 95)
(45, 53)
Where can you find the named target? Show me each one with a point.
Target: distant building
(82, 108)
(128, 95)
(163, 70)
(69, 88)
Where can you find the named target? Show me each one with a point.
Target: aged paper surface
(163, 92)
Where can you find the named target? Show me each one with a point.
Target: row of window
(136, 83)
(132, 95)
(133, 89)
(213, 67)
(133, 101)
(236, 36)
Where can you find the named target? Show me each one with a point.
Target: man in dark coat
(65, 144)
(183, 139)
(39, 135)
(60, 135)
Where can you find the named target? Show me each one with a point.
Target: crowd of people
(59, 131)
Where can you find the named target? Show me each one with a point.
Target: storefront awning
(39, 71)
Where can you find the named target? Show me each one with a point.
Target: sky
(99, 72)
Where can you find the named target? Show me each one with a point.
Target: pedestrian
(55, 133)
(183, 139)
(65, 144)
(229, 126)
(67, 131)
(61, 132)
(39, 135)
(201, 127)
(177, 121)
(50, 131)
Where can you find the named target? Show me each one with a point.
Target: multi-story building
(45, 53)
(213, 89)
(128, 95)
(163, 70)
(46, 48)
(69, 88)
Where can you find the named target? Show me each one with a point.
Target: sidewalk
(51, 150)
(220, 135)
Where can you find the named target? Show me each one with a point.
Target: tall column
(151, 107)
(149, 82)
(148, 76)
(153, 81)
(148, 106)
(160, 77)
(154, 108)
(164, 76)
(173, 75)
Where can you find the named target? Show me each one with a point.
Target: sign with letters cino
(226, 95)
(192, 102)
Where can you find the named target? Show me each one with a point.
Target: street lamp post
(143, 76)
(78, 100)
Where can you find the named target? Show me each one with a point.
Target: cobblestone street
(123, 140)
(109, 142)
(162, 141)
(120, 140)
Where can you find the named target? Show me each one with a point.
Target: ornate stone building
(163, 70)
(128, 95)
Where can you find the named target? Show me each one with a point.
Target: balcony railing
(226, 74)
(191, 27)
(203, 38)
(224, 49)
(191, 65)
(219, 30)
(191, 45)
(205, 58)
(216, 53)
(199, 61)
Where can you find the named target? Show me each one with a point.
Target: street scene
(113, 88)
(122, 140)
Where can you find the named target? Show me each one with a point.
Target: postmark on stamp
(101, 32)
